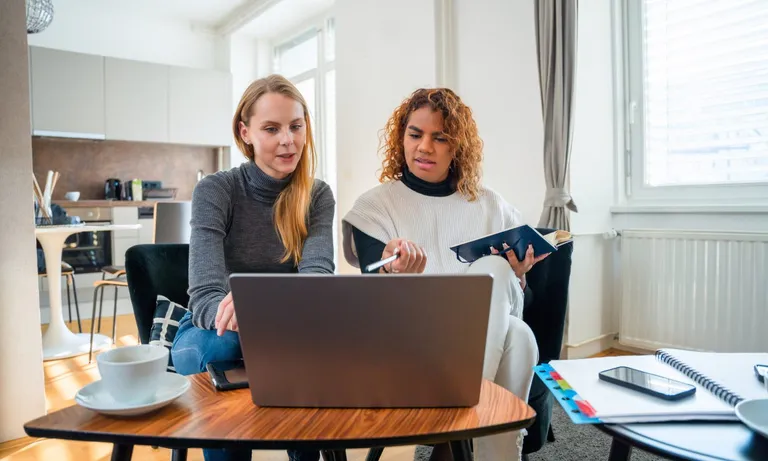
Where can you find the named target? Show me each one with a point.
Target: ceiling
(276, 20)
(203, 12)
(284, 17)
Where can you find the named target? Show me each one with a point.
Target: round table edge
(321, 444)
(650, 445)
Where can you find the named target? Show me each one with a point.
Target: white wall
(246, 62)
(592, 302)
(593, 151)
(497, 76)
(22, 392)
(384, 51)
(94, 27)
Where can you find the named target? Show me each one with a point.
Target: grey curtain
(556, 35)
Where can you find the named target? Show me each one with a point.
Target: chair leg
(550, 434)
(77, 304)
(69, 298)
(101, 304)
(114, 321)
(101, 300)
(93, 319)
(374, 454)
(179, 454)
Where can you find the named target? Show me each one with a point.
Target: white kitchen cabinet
(126, 215)
(147, 231)
(136, 98)
(123, 240)
(200, 106)
(119, 247)
(67, 93)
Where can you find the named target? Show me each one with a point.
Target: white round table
(58, 341)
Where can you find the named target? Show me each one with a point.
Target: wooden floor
(63, 378)
(613, 353)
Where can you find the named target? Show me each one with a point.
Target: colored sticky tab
(579, 410)
(585, 408)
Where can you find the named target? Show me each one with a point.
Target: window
(308, 61)
(697, 98)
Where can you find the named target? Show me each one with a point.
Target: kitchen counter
(104, 203)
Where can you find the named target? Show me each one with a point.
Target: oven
(89, 251)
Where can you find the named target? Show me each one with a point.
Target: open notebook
(517, 238)
(721, 380)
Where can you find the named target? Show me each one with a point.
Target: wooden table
(205, 418)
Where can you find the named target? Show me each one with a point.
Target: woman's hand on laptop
(225, 316)
(412, 260)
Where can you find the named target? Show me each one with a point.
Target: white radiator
(694, 290)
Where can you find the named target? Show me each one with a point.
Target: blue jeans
(192, 349)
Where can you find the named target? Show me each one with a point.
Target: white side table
(58, 341)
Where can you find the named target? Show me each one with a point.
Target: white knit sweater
(392, 210)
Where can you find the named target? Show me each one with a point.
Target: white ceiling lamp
(39, 15)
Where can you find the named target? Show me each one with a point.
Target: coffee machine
(113, 189)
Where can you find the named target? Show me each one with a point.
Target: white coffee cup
(132, 374)
(73, 196)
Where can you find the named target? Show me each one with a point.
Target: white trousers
(510, 352)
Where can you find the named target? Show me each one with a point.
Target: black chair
(545, 307)
(151, 270)
(544, 312)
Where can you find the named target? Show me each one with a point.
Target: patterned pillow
(165, 325)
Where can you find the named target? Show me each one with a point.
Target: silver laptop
(363, 341)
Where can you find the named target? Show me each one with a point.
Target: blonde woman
(267, 215)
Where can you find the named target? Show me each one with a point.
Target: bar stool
(68, 272)
(100, 285)
(116, 272)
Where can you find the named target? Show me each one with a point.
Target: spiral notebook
(722, 380)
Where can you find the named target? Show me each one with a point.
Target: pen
(382, 263)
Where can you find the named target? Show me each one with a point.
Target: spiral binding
(723, 393)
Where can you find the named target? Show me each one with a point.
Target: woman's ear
(243, 132)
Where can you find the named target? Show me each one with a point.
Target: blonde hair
(291, 209)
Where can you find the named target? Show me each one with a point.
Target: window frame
(316, 27)
(630, 54)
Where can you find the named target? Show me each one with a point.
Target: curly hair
(460, 130)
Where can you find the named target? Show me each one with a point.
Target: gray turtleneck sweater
(233, 231)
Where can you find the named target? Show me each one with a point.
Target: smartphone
(227, 375)
(761, 371)
(647, 383)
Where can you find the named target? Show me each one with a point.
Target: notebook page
(732, 370)
(613, 402)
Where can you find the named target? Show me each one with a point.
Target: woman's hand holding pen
(412, 259)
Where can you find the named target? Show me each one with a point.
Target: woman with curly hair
(430, 199)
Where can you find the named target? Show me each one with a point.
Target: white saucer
(94, 397)
(754, 413)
